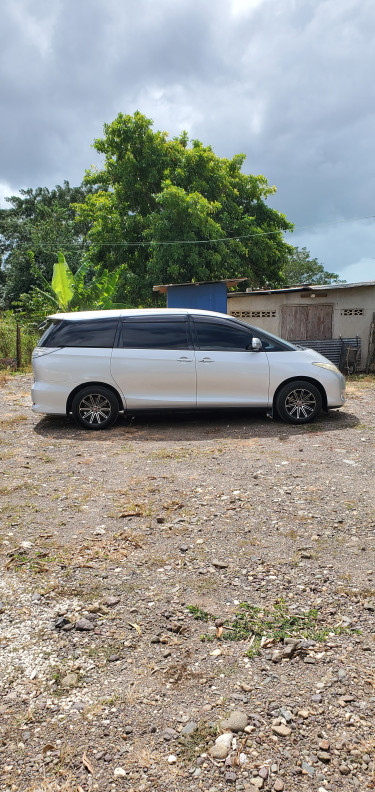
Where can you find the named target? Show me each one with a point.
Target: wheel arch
(94, 383)
(313, 381)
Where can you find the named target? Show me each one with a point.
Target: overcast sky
(288, 82)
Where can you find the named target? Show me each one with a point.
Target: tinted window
(270, 341)
(156, 334)
(270, 344)
(222, 335)
(49, 328)
(91, 333)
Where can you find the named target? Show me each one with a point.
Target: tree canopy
(300, 268)
(38, 223)
(169, 212)
(159, 210)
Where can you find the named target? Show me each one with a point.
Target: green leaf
(62, 282)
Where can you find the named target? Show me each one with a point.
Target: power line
(235, 238)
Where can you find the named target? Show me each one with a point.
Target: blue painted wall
(208, 296)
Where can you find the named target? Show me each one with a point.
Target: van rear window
(99, 333)
(48, 328)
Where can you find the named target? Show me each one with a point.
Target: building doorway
(306, 322)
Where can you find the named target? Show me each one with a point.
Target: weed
(164, 453)
(194, 744)
(199, 614)
(39, 561)
(52, 786)
(12, 419)
(271, 625)
(6, 489)
(361, 380)
(312, 428)
(57, 676)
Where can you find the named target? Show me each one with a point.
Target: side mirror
(256, 344)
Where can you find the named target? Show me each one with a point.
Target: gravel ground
(177, 571)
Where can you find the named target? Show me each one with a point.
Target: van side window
(214, 335)
(99, 333)
(155, 333)
(270, 344)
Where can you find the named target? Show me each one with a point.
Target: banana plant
(90, 288)
(62, 282)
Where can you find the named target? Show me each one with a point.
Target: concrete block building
(315, 316)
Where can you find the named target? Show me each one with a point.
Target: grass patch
(268, 626)
(11, 420)
(191, 746)
(200, 615)
(165, 453)
(52, 786)
(364, 380)
(274, 624)
(37, 562)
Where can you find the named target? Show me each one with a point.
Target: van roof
(76, 316)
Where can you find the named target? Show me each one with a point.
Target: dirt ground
(120, 550)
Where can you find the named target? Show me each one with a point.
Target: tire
(298, 402)
(95, 407)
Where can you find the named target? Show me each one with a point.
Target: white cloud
(36, 20)
(362, 270)
(347, 248)
(288, 83)
(6, 191)
(242, 7)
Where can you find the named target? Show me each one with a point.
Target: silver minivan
(97, 364)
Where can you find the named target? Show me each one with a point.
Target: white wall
(353, 309)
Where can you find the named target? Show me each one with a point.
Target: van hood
(314, 355)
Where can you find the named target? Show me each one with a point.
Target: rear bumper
(49, 398)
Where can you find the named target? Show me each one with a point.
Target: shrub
(8, 337)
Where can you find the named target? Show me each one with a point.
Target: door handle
(206, 360)
(184, 360)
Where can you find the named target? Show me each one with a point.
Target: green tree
(40, 221)
(300, 268)
(168, 212)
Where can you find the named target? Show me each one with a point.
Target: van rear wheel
(95, 407)
(298, 402)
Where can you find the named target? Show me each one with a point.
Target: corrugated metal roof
(309, 287)
(229, 282)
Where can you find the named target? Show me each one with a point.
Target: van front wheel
(298, 402)
(95, 407)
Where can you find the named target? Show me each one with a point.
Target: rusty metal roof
(228, 281)
(305, 287)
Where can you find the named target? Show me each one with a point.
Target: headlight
(329, 366)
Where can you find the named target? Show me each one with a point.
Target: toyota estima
(97, 364)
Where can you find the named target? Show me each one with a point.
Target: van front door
(229, 372)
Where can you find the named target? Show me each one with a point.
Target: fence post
(18, 346)
(371, 345)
